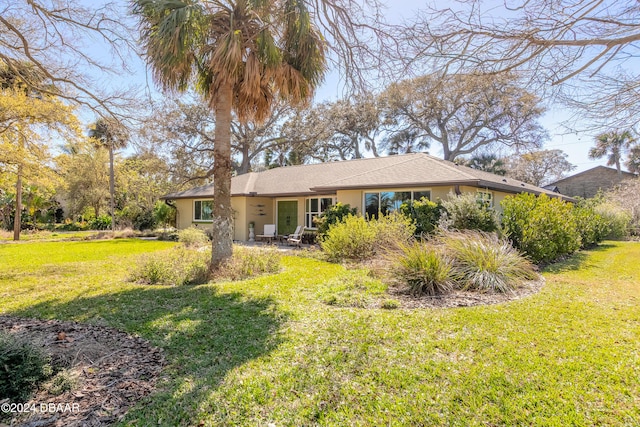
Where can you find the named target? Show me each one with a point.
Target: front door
(287, 216)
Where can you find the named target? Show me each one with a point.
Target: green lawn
(269, 350)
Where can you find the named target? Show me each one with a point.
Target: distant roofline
(631, 174)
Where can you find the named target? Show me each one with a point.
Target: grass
(28, 236)
(269, 350)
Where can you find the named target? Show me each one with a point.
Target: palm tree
(241, 55)
(614, 145)
(111, 135)
(488, 163)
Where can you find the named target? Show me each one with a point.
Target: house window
(418, 195)
(485, 198)
(315, 206)
(202, 210)
(385, 202)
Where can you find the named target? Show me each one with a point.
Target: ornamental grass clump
(484, 262)
(176, 266)
(426, 269)
(23, 367)
(193, 237)
(250, 262)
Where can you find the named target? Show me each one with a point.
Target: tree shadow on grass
(576, 261)
(203, 333)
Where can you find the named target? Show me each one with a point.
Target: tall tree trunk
(222, 233)
(112, 190)
(245, 164)
(17, 219)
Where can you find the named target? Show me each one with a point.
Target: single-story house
(587, 183)
(295, 195)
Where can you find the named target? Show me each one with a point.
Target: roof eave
(394, 185)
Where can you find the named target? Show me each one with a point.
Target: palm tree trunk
(17, 219)
(112, 189)
(222, 233)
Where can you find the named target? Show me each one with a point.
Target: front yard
(271, 350)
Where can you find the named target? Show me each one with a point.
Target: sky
(576, 145)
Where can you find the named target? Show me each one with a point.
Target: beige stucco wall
(263, 210)
(259, 210)
(352, 198)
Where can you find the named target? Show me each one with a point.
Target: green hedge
(543, 228)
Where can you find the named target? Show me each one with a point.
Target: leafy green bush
(193, 236)
(392, 230)
(103, 222)
(352, 238)
(177, 266)
(356, 238)
(424, 268)
(543, 228)
(164, 214)
(484, 262)
(250, 262)
(23, 366)
(333, 215)
(424, 213)
(592, 226)
(464, 212)
(73, 226)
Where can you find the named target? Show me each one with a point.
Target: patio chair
(269, 232)
(296, 237)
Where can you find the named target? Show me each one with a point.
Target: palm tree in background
(614, 145)
(240, 55)
(111, 135)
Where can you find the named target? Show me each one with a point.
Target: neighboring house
(295, 195)
(587, 184)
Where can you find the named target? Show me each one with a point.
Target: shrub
(424, 268)
(464, 212)
(424, 213)
(392, 231)
(23, 366)
(356, 238)
(618, 220)
(333, 215)
(541, 227)
(592, 226)
(250, 262)
(484, 262)
(103, 222)
(193, 236)
(352, 238)
(177, 266)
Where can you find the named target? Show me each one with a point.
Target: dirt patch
(463, 298)
(111, 371)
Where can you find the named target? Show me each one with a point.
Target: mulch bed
(113, 371)
(464, 298)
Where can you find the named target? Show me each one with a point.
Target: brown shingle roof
(408, 170)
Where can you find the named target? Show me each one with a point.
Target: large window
(315, 206)
(202, 210)
(385, 202)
